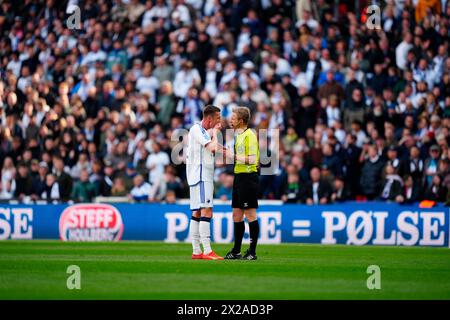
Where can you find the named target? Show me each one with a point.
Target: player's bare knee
(196, 214)
(207, 212)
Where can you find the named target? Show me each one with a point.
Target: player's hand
(215, 131)
(228, 153)
(218, 126)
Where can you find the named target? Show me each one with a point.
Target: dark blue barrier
(370, 223)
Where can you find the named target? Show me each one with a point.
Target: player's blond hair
(243, 113)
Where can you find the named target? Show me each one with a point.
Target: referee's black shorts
(245, 191)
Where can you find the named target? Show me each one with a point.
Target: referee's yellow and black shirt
(246, 144)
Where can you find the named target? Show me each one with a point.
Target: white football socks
(205, 236)
(195, 236)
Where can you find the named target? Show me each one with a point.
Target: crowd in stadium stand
(364, 114)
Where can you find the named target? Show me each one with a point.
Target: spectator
(156, 162)
(402, 50)
(436, 191)
(82, 164)
(119, 188)
(158, 191)
(116, 57)
(141, 155)
(64, 179)
(95, 54)
(141, 189)
(355, 109)
(330, 87)
(444, 172)
(146, 83)
(333, 112)
(51, 189)
(394, 161)
(166, 104)
(307, 19)
(170, 197)
(370, 181)
(191, 106)
(173, 183)
(341, 192)
(291, 192)
(225, 189)
(8, 190)
(211, 77)
(411, 193)
(393, 186)
(134, 10)
(415, 165)
(84, 190)
(106, 182)
(317, 191)
(358, 132)
(185, 79)
(84, 87)
(8, 173)
(128, 175)
(96, 175)
(23, 183)
(431, 165)
(331, 160)
(40, 181)
(351, 155)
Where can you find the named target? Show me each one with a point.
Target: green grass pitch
(155, 270)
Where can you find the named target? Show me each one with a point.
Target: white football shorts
(201, 195)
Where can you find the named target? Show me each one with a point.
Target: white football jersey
(199, 160)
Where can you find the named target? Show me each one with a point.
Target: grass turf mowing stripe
(154, 270)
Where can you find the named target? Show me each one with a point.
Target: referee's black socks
(239, 229)
(254, 234)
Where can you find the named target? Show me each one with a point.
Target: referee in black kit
(246, 183)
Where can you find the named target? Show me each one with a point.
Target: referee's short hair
(243, 113)
(210, 110)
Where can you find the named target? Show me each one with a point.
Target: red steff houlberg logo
(90, 222)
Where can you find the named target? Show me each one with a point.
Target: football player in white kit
(202, 144)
